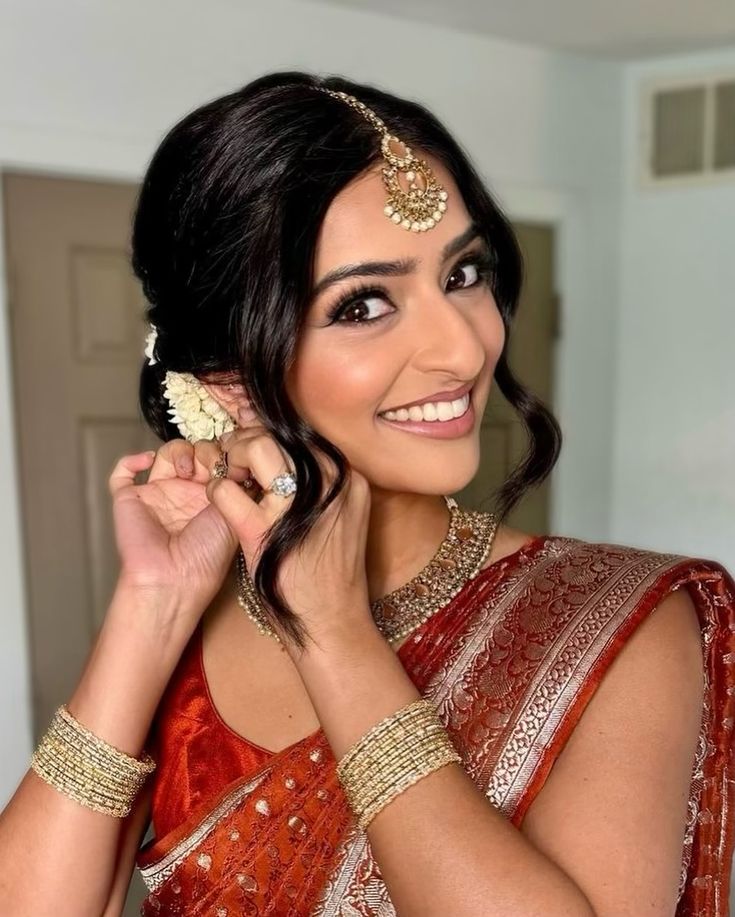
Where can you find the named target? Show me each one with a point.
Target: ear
(232, 397)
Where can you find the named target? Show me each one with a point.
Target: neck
(405, 531)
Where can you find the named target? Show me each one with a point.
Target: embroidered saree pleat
(510, 663)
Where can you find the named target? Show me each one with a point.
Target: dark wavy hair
(223, 243)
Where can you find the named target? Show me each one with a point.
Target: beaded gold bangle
(87, 769)
(393, 755)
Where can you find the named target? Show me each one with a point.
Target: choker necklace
(458, 559)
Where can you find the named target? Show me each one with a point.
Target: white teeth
(431, 410)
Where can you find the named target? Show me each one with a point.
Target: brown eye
(361, 310)
(356, 312)
(471, 268)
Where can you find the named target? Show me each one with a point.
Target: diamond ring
(283, 484)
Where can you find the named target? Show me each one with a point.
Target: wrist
(152, 616)
(354, 679)
(344, 641)
(120, 688)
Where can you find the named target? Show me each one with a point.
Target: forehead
(355, 228)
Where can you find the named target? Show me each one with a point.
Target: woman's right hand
(171, 540)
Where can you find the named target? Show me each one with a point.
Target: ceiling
(621, 29)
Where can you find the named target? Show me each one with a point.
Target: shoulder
(654, 687)
(640, 596)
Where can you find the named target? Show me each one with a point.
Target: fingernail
(186, 465)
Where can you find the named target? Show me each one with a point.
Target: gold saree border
(156, 873)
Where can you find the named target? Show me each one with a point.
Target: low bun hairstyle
(223, 243)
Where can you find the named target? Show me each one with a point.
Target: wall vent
(688, 130)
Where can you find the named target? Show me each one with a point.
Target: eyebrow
(393, 268)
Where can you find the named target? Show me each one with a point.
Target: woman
(423, 711)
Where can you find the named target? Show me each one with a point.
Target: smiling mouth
(430, 411)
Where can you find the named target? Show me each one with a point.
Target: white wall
(674, 462)
(89, 87)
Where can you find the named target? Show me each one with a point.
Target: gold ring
(219, 469)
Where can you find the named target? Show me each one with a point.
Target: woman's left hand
(324, 581)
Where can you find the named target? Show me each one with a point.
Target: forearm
(56, 856)
(441, 846)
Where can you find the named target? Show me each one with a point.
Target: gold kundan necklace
(459, 558)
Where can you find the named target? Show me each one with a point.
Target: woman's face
(428, 330)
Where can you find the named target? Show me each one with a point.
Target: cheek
(337, 387)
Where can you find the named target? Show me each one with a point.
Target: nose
(446, 337)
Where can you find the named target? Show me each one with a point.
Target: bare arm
(56, 856)
(131, 836)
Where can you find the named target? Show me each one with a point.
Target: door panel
(533, 338)
(78, 337)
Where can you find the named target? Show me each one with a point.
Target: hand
(172, 542)
(324, 581)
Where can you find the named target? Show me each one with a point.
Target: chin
(436, 479)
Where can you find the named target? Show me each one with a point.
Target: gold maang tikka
(420, 207)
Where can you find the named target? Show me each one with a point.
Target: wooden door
(502, 437)
(78, 338)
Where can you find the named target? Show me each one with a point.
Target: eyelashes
(482, 260)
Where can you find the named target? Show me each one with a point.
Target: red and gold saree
(510, 663)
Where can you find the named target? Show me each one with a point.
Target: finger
(251, 456)
(206, 454)
(238, 468)
(126, 468)
(244, 516)
(240, 434)
(265, 460)
(174, 459)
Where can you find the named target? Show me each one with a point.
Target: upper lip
(437, 396)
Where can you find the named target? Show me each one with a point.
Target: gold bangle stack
(87, 769)
(392, 755)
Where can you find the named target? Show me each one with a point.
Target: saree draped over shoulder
(511, 662)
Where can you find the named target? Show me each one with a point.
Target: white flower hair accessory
(150, 343)
(193, 410)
